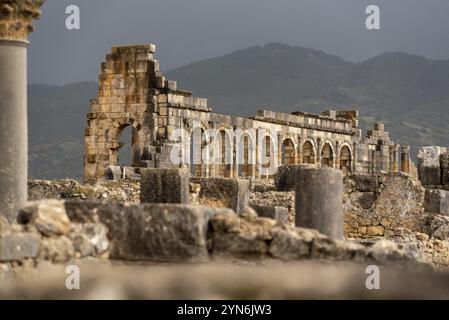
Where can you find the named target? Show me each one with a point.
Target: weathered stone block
(151, 232)
(437, 201)
(375, 230)
(238, 237)
(366, 182)
(164, 186)
(223, 193)
(56, 249)
(277, 213)
(429, 167)
(48, 216)
(364, 200)
(285, 178)
(400, 201)
(18, 246)
(292, 243)
(90, 239)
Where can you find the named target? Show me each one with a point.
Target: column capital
(16, 18)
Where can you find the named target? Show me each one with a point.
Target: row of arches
(245, 151)
(327, 157)
(241, 160)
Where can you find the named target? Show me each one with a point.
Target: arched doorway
(224, 154)
(327, 156)
(308, 153)
(345, 159)
(244, 148)
(129, 153)
(288, 154)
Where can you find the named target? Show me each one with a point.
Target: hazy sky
(190, 30)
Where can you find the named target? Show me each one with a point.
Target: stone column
(299, 151)
(337, 164)
(16, 17)
(395, 158)
(318, 152)
(405, 159)
(355, 158)
(319, 200)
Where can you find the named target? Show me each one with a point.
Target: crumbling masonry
(133, 92)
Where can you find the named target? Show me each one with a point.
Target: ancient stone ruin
(134, 93)
(306, 193)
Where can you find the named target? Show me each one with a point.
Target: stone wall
(134, 93)
(58, 231)
(379, 205)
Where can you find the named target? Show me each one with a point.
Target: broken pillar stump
(285, 178)
(437, 201)
(223, 193)
(164, 186)
(319, 200)
(429, 165)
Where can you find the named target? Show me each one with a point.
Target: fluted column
(16, 17)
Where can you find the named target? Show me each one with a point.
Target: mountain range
(409, 93)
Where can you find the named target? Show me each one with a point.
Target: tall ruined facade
(134, 93)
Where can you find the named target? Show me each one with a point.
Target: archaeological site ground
(272, 206)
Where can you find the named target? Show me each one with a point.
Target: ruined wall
(134, 93)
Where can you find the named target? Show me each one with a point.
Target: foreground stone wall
(381, 206)
(58, 231)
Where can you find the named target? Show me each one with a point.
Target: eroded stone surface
(18, 246)
(223, 193)
(48, 216)
(155, 232)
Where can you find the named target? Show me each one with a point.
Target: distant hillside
(57, 118)
(409, 93)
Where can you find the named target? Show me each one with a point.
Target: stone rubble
(178, 233)
(387, 222)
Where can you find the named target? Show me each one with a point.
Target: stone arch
(197, 144)
(114, 145)
(346, 158)
(245, 153)
(327, 155)
(308, 152)
(224, 153)
(288, 152)
(268, 154)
